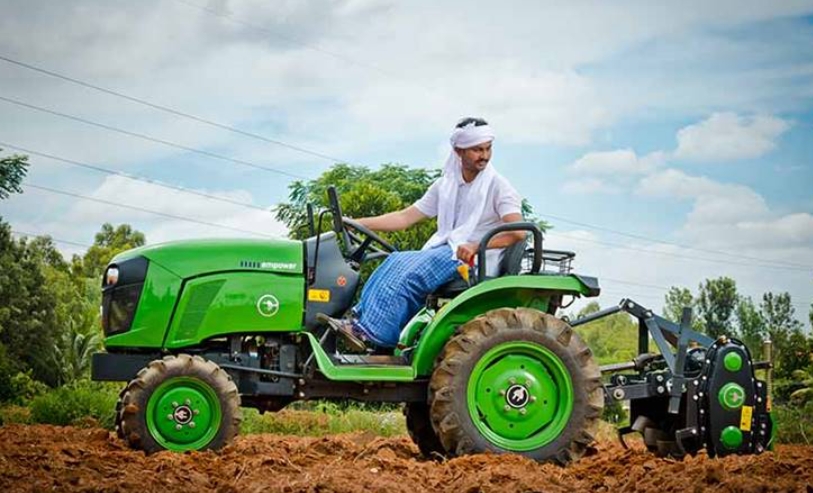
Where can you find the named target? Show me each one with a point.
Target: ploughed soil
(48, 458)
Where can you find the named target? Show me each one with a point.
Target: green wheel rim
(520, 396)
(183, 414)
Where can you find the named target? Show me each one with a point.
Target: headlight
(111, 276)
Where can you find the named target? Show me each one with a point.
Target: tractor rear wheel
(516, 380)
(419, 426)
(180, 403)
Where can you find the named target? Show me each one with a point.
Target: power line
(56, 240)
(148, 211)
(686, 257)
(171, 111)
(132, 177)
(655, 240)
(151, 139)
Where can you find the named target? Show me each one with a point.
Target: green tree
(673, 303)
(362, 193)
(785, 332)
(751, 324)
(108, 242)
(28, 321)
(12, 171)
(76, 313)
(810, 316)
(612, 339)
(716, 302)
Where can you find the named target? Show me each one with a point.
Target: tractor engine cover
(734, 414)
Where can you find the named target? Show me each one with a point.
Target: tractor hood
(192, 258)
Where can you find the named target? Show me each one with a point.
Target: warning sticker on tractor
(745, 418)
(319, 295)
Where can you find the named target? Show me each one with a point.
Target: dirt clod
(48, 458)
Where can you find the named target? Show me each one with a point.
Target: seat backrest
(511, 262)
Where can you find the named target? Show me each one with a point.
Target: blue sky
(650, 126)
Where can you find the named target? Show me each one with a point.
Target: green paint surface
(183, 413)
(153, 313)
(205, 288)
(731, 437)
(359, 373)
(732, 361)
(195, 257)
(504, 292)
(236, 302)
(520, 396)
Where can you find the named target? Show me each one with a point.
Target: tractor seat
(510, 265)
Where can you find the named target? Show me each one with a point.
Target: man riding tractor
(200, 328)
(470, 199)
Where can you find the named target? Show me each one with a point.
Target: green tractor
(200, 328)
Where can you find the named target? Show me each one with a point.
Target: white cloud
(734, 218)
(620, 161)
(78, 220)
(587, 186)
(609, 172)
(729, 137)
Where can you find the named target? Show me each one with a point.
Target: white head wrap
(462, 138)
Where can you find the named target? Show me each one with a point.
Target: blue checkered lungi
(397, 290)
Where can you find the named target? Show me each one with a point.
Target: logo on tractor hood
(268, 305)
(278, 265)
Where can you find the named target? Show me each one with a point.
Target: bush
(14, 414)
(25, 388)
(326, 418)
(794, 424)
(82, 403)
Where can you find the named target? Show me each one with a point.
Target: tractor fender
(503, 292)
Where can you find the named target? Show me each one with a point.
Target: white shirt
(502, 199)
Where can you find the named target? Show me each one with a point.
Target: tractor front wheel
(180, 403)
(516, 380)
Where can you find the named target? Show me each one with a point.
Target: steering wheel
(357, 238)
(363, 239)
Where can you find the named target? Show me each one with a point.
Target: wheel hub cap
(517, 396)
(182, 415)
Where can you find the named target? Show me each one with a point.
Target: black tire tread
(135, 396)
(453, 426)
(419, 427)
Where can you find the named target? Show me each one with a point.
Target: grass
(324, 419)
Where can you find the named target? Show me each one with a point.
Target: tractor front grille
(121, 306)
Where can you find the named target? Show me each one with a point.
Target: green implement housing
(200, 328)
